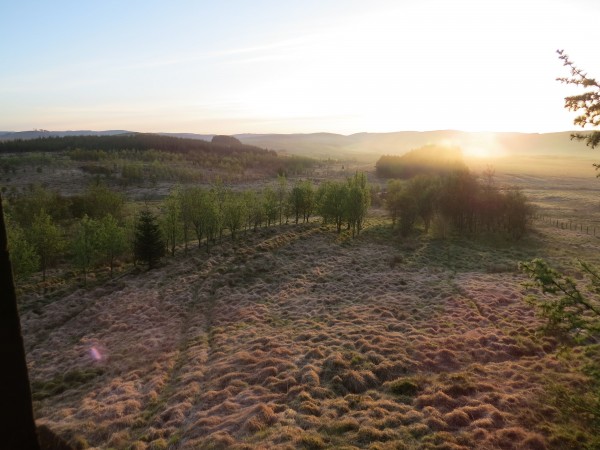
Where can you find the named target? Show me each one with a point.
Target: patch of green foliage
(63, 382)
(404, 386)
(567, 310)
(574, 316)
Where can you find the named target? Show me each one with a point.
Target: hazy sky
(283, 66)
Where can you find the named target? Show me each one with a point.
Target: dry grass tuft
(457, 419)
(311, 441)
(261, 417)
(367, 434)
(310, 378)
(358, 382)
(343, 426)
(439, 400)
(309, 407)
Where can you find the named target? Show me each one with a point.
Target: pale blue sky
(282, 66)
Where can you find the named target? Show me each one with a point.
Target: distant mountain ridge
(372, 145)
(399, 143)
(35, 134)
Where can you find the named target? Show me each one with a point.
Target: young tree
(149, 245)
(186, 208)
(203, 214)
(171, 219)
(97, 201)
(565, 307)
(26, 206)
(308, 200)
(424, 189)
(23, 257)
(85, 245)
(302, 200)
(295, 201)
(220, 194)
(46, 239)
(332, 199)
(358, 202)
(282, 197)
(214, 218)
(111, 241)
(517, 212)
(459, 193)
(402, 205)
(568, 310)
(392, 202)
(255, 211)
(234, 211)
(270, 205)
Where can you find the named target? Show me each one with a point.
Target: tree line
(133, 156)
(460, 200)
(427, 160)
(97, 228)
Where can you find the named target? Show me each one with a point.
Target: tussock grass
(291, 340)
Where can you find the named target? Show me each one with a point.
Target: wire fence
(570, 224)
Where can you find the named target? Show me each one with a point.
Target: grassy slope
(299, 339)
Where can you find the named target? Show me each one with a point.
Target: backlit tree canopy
(588, 103)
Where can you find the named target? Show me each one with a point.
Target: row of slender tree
(91, 230)
(206, 214)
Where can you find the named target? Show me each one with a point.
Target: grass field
(299, 338)
(296, 337)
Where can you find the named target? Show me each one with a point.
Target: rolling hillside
(296, 339)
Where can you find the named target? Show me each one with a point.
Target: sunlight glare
(95, 354)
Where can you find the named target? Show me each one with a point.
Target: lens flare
(95, 354)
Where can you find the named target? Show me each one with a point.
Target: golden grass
(294, 341)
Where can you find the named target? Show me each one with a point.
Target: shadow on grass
(485, 252)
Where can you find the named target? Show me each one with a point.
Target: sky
(266, 66)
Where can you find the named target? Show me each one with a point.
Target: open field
(299, 338)
(296, 337)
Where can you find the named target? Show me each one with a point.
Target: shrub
(403, 386)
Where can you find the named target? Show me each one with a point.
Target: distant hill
(201, 137)
(370, 146)
(35, 134)
(224, 155)
(132, 141)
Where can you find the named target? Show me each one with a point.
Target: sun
(478, 152)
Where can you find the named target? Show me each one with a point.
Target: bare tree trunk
(17, 425)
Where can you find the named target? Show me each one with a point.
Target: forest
(460, 200)
(427, 160)
(135, 158)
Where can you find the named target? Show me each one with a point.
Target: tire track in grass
(241, 266)
(182, 384)
(189, 376)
